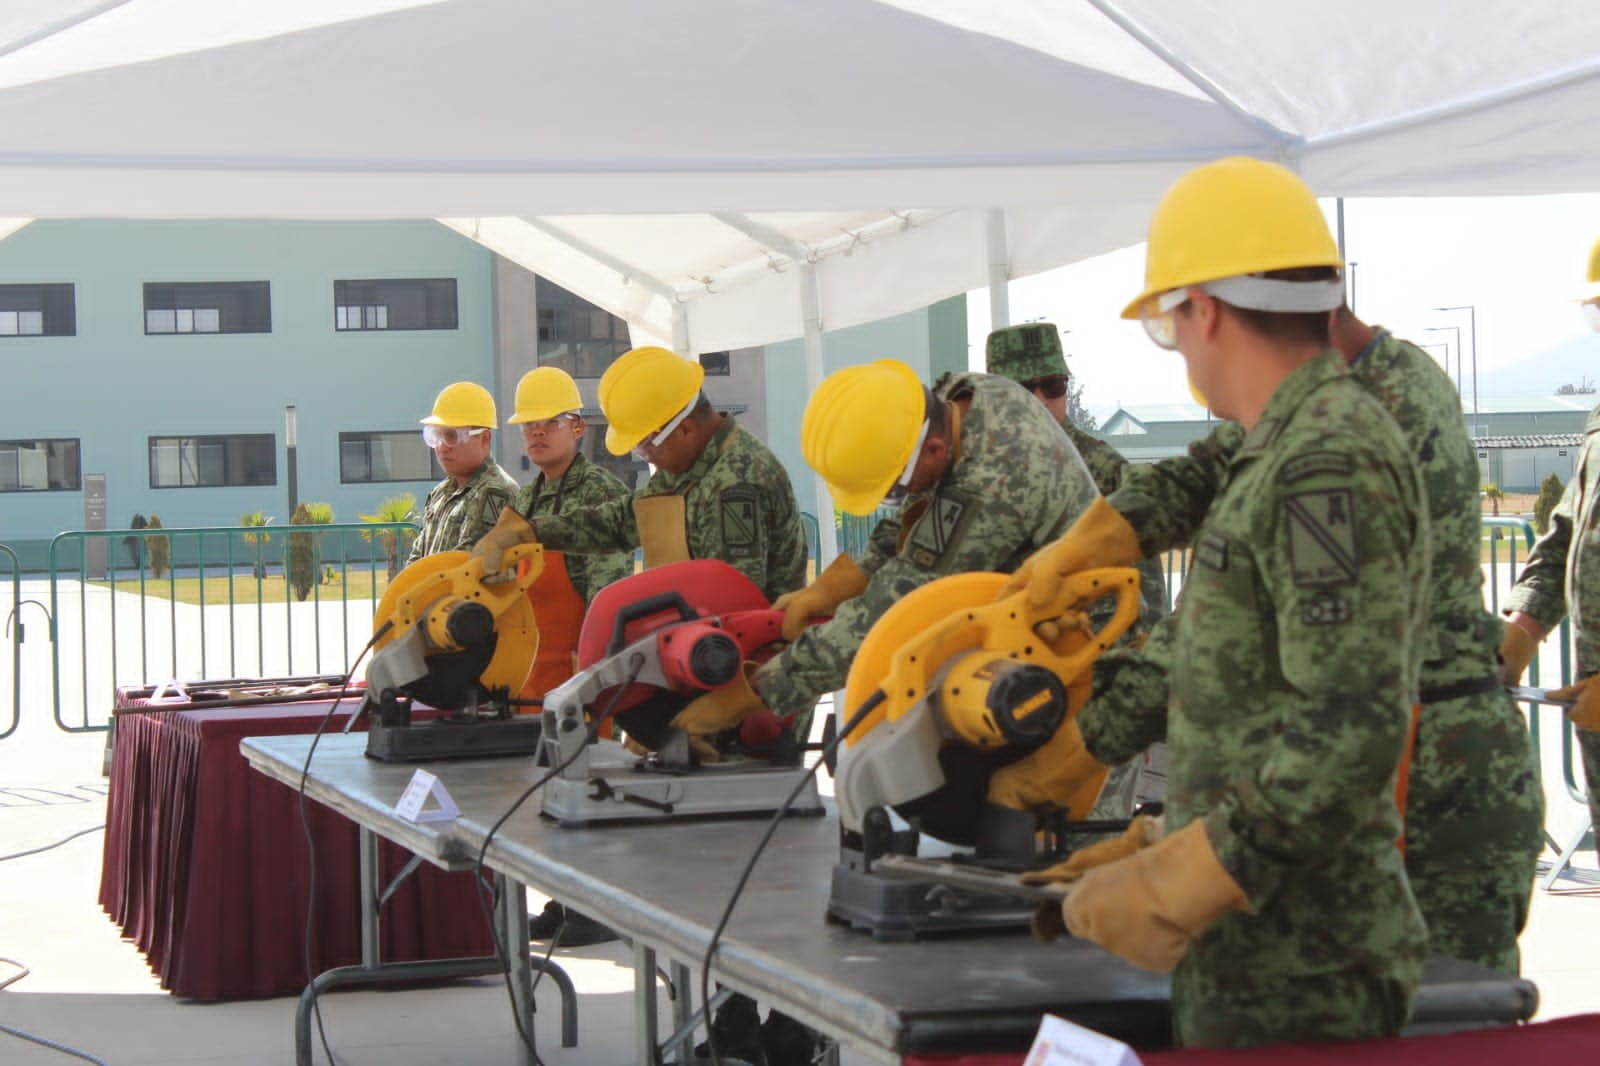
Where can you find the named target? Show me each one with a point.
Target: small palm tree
(254, 520)
(158, 549)
(1494, 494)
(394, 509)
(303, 563)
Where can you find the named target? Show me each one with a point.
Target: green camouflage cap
(1027, 352)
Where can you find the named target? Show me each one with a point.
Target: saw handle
(661, 601)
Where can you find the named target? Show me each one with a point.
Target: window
(38, 311)
(396, 455)
(208, 307)
(398, 303)
(186, 462)
(574, 334)
(40, 465)
(715, 364)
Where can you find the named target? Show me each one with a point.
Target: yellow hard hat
(860, 429)
(642, 391)
(1232, 217)
(463, 404)
(544, 393)
(1591, 291)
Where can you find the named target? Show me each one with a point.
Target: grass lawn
(356, 584)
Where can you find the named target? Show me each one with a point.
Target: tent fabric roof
(711, 160)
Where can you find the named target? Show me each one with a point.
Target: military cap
(1027, 352)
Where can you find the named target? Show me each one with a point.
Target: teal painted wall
(113, 387)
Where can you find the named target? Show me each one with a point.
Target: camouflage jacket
(1015, 483)
(1295, 655)
(454, 518)
(583, 485)
(739, 507)
(1563, 571)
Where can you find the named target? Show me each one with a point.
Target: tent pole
(680, 330)
(999, 271)
(811, 314)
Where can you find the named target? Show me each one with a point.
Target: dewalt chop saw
(650, 644)
(448, 640)
(990, 683)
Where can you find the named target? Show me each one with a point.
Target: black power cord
(867, 707)
(311, 844)
(486, 895)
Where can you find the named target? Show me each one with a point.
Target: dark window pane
(715, 363)
(208, 307)
(213, 461)
(396, 455)
(38, 311)
(40, 466)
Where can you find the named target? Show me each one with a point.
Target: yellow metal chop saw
(448, 640)
(985, 686)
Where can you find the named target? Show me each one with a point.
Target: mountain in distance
(1568, 363)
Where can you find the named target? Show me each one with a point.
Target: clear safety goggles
(644, 448)
(548, 425)
(897, 492)
(1591, 316)
(455, 436)
(1251, 291)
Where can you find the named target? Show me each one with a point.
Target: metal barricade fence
(209, 603)
(14, 635)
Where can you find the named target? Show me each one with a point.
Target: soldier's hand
(1100, 537)
(1141, 833)
(842, 580)
(1517, 649)
(1585, 696)
(509, 531)
(721, 708)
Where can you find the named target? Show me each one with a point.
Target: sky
(1517, 260)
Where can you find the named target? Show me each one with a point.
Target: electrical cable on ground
(30, 1037)
(57, 844)
(867, 707)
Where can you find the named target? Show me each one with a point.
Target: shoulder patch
(1311, 463)
(938, 529)
(1211, 551)
(1322, 537)
(740, 517)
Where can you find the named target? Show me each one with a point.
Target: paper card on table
(1061, 1043)
(418, 789)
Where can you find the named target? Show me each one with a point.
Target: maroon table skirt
(206, 867)
(1561, 1042)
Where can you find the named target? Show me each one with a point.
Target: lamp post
(289, 439)
(1472, 315)
(1446, 346)
(1457, 331)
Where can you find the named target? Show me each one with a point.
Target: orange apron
(558, 612)
(1403, 779)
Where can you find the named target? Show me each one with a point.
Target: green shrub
(158, 549)
(1550, 490)
(303, 563)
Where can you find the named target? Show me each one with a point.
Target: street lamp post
(1457, 331)
(289, 439)
(1472, 314)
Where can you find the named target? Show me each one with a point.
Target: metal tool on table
(445, 639)
(1529, 694)
(980, 688)
(650, 644)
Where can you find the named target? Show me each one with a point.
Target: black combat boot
(737, 1026)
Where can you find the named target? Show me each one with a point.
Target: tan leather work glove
(1142, 832)
(1517, 649)
(1100, 537)
(1147, 907)
(1060, 771)
(510, 530)
(663, 530)
(721, 708)
(841, 580)
(1585, 696)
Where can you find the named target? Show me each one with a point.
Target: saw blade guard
(476, 638)
(976, 690)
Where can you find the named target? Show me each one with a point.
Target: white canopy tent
(725, 173)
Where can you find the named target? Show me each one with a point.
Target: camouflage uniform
(1294, 660)
(1474, 804)
(1028, 353)
(739, 507)
(1014, 484)
(454, 518)
(582, 485)
(1563, 576)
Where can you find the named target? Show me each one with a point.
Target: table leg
(514, 931)
(367, 857)
(644, 1006)
(682, 1010)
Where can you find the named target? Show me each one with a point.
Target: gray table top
(665, 885)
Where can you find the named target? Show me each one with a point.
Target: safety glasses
(1157, 318)
(1051, 386)
(548, 425)
(643, 449)
(455, 436)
